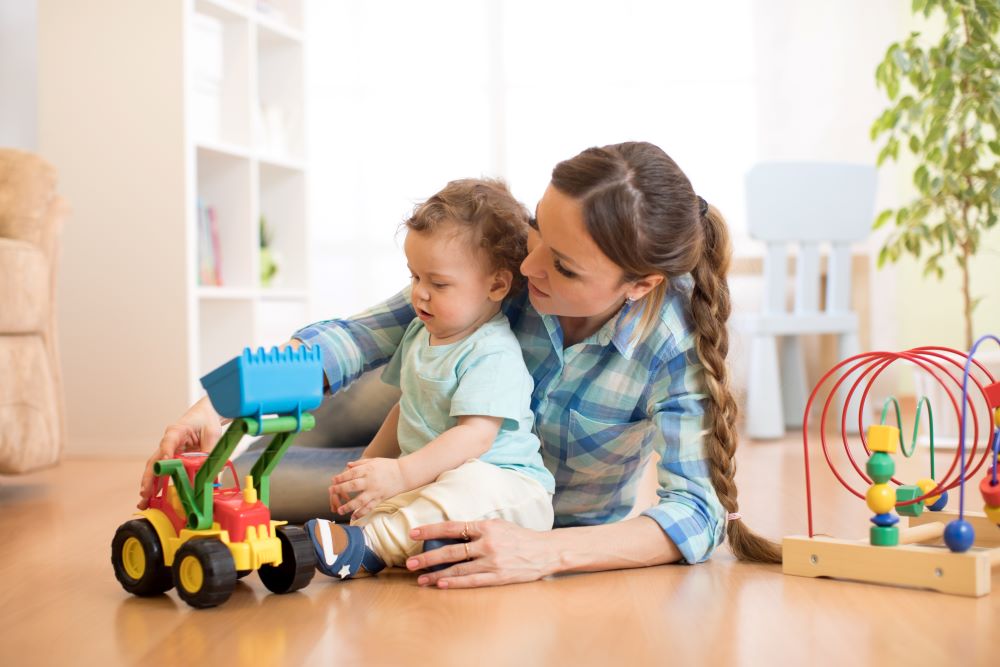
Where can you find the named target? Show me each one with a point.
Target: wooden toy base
(913, 565)
(987, 532)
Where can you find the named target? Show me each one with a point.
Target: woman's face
(568, 275)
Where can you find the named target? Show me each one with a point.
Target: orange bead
(926, 486)
(883, 438)
(991, 492)
(881, 498)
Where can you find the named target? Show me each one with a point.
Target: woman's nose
(530, 265)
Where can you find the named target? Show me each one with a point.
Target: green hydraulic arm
(197, 498)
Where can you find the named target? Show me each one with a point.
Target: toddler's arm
(469, 439)
(385, 443)
(375, 479)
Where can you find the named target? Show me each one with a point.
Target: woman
(623, 328)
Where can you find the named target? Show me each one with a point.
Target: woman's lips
(534, 290)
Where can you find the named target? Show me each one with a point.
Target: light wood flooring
(60, 603)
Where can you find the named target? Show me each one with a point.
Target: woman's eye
(562, 269)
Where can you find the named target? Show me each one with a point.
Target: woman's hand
(197, 430)
(498, 552)
(370, 481)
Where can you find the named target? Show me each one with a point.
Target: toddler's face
(454, 292)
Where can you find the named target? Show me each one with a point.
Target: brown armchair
(32, 413)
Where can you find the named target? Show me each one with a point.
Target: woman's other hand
(497, 552)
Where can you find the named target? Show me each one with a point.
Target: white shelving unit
(245, 72)
(147, 109)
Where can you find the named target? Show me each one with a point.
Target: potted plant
(945, 108)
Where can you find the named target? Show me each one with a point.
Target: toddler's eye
(439, 285)
(533, 223)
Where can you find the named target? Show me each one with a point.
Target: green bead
(880, 467)
(884, 536)
(906, 493)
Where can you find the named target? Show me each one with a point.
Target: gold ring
(465, 532)
(468, 556)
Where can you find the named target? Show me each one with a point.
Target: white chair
(807, 204)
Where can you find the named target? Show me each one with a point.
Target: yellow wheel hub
(134, 558)
(192, 576)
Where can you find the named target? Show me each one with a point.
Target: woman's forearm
(636, 542)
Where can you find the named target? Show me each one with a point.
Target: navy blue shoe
(341, 550)
(430, 545)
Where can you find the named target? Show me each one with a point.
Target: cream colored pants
(471, 492)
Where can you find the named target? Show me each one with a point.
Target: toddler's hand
(371, 480)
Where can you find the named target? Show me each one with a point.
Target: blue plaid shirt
(602, 407)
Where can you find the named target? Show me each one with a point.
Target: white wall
(407, 96)
(18, 74)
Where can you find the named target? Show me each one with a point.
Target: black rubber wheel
(204, 572)
(137, 556)
(298, 562)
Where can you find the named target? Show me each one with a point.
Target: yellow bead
(992, 513)
(883, 438)
(996, 417)
(881, 498)
(926, 486)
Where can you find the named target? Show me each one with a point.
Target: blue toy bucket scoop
(283, 382)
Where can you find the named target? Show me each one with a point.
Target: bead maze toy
(200, 535)
(912, 556)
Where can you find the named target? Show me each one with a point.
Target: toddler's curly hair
(484, 210)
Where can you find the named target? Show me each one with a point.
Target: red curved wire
(875, 363)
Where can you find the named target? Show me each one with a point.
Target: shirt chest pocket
(434, 401)
(599, 443)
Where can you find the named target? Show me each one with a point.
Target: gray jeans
(345, 424)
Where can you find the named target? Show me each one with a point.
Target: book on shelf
(209, 260)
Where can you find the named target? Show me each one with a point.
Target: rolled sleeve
(357, 344)
(689, 511)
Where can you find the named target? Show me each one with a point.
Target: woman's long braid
(643, 213)
(710, 309)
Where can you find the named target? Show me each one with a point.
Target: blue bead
(940, 504)
(959, 535)
(886, 519)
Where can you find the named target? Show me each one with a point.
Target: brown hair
(641, 210)
(486, 213)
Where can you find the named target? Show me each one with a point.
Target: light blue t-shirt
(482, 374)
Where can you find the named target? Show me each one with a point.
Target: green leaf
(883, 217)
(883, 255)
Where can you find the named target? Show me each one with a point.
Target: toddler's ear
(501, 284)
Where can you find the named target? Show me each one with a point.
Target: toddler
(458, 446)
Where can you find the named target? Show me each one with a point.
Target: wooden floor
(60, 603)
